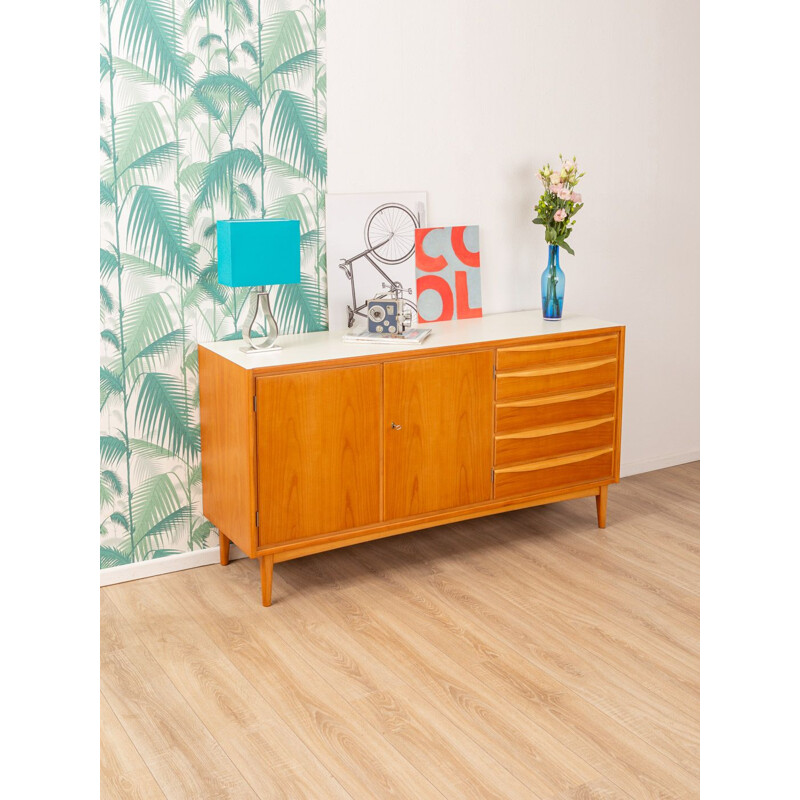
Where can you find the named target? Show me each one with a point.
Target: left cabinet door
(318, 452)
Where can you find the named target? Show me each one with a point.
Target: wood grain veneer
(602, 504)
(319, 452)
(618, 415)
(227, 441)
(539, 354)
(287, 552)
(440, 456)
(549, 379)
(345, 450)
(588, 404)
(554, 440)
(591, 466)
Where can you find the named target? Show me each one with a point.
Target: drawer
(549, 379)
(552, 441)
(520, 415)
(553, 474)
(535, 355)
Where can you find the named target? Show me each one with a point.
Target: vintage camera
(387, 316)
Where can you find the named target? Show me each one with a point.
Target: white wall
(467, 98)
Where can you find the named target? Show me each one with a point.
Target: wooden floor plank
(663, 527)
(595, 550)
(560, 534)
(654, 553)
(186, 761)
(676, 494)
(452, 586)
(123, 773)
(450, 760)
(596, 790)
(562, 581)
(526, 655)
(353, 660)
(435, 615)
(610, 632)
(649, 714)
(272, 759)
(360, 760)
(441, 750)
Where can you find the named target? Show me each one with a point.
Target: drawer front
(549, 442)
(553, 475)
(558, 409)
(557, 378)
(537, 355)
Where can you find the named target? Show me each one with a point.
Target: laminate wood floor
(526, 655)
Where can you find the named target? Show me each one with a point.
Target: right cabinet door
(437, 433)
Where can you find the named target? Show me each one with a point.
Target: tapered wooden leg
(266, 580)
(602, 503)
(224, 549)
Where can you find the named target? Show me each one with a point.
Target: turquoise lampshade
(258, 252)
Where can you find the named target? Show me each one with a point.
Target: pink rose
(563, 193)
(560, 215)
(576, 198)
(555, 178)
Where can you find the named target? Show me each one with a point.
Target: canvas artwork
(370, 245)
(448, 262)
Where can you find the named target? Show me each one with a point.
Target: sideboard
(325, 444)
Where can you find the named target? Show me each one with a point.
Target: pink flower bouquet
(559, 202)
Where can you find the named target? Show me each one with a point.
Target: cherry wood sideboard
(325, 444)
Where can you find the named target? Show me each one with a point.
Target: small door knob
(396, 427)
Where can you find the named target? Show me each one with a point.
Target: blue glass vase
(552, 286)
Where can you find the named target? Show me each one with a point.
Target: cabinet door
(318, 452)
(438, 433)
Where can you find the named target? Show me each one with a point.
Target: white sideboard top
(302, 348)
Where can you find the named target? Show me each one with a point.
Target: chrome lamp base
(267, 344)
(257, 349)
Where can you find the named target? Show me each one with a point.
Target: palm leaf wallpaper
(209, 109)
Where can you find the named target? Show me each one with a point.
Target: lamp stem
(260, 297)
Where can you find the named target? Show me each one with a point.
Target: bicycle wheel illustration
(395, 223)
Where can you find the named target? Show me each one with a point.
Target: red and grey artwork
(448, 273)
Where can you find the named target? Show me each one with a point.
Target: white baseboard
(649, 464)
(201, 558)
(160, 566)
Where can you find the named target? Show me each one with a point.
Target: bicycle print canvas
(370, 245)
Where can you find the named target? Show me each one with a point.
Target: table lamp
(258, 253)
